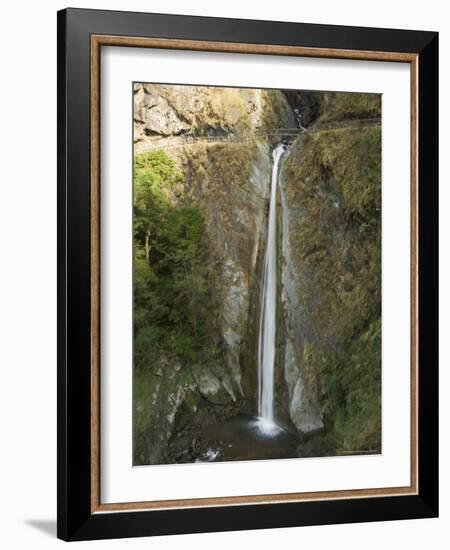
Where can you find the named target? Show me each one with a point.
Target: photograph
(247, 271)
(224, 279)
(256, 273)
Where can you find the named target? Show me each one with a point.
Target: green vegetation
(170, 255)
(334, 179)
(173, 325)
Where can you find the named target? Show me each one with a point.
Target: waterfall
(267, 327)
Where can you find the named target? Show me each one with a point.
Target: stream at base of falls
(247, 438)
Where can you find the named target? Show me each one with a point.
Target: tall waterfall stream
(268, 312)
(258, 437)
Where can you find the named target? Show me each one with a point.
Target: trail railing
(171, 142)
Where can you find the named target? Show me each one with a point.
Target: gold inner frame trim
(97, 41)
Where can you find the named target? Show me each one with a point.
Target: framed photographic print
(247, 253)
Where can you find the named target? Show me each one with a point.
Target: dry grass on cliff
(334, 179)
(337, 106)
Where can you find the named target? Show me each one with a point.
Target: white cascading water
(267, 328)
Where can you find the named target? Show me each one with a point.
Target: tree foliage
(171, 291)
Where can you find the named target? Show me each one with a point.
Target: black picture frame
(76, 521)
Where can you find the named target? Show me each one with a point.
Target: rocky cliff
(331, 188)
(200, 230)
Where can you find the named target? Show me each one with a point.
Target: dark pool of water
(246, 438)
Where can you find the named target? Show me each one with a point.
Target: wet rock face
(305, 105)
